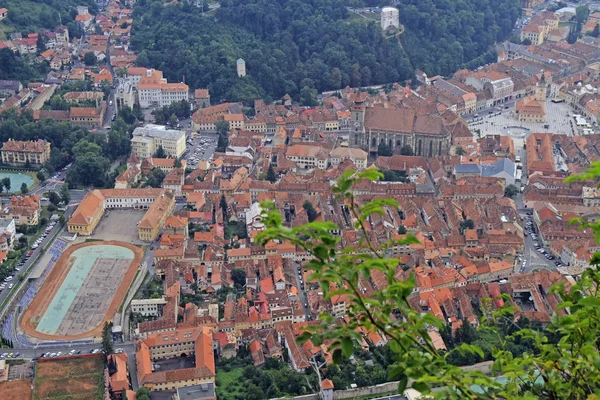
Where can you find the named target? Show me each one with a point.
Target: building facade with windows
(34, 153)
(147, 140)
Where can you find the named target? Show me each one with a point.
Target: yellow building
(236, 121)
(534, 33)
(86, 217)
(21, 153)
(158, 202)
(155, 218)
(147, 140)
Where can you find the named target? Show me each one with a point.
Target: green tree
(160, 152)
(384, 149)
(142, 394)
(90, 58)
(526, 42)
(460, 151)
(42, 41)
(177, 163)
(40, 176)
(155, 177)
(223, 205)
(65, 195)
(54, 198)
(402, 230)
(107, 340)
(596, 31)
(308, 96)
(173, 120)
(6, 183)
(311, 213)
(242, 230)
(511, 191)
(24, 188)
(466, 224)
(582, 13)
(223, 132)
(406, 150)
(238, 276)
(271, 177)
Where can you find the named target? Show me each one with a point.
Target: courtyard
(120, 225)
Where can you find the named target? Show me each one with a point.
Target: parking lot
(201, 147)
(559, 120)
(535, 256)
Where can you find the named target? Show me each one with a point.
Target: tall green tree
(65, 195)
(384, 149)
(90, 58)
(107, 339)
(6, 183)
(511, 191)
(54, 198)
(311, 213)
(238, 276)
(24, 188)
(155, 177)
(271, 177)
(160, 152)
(223, 205)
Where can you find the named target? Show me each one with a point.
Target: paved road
(27, 267)
(301, 289)
(51, 184)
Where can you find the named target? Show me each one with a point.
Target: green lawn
(228, 382)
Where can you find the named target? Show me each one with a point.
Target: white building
(147, 140)
(154, 90)
(390, 18)
(241, 67)
(148, 307)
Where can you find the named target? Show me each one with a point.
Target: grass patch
(228, 381)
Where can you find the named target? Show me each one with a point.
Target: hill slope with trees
(303, 47)
(29, 16)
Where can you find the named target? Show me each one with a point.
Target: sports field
(84, 289)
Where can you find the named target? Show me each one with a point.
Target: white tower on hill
(390, 18)
(241, 68)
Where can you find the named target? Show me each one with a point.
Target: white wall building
(148, 307)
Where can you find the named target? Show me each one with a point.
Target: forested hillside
(443, 35)
(304, 46)
(32, 15)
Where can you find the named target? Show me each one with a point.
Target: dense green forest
(33, 15)
(444, 35)
(14, 66)
(299, 47)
